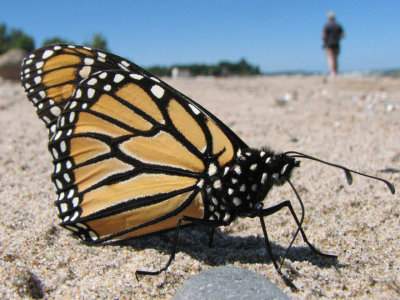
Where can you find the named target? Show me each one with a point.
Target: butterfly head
(280, 167)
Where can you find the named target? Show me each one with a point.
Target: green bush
(14, 38)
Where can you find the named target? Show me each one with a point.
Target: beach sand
(347, 120)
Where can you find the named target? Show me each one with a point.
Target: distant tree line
(15, 38)
(224, 68)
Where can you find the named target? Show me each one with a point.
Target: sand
(348, 120)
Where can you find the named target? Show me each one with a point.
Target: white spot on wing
(78, 93)
(217, 184)
(90, 93)
(200, 183)
(136, 76)
(55, 153)
(46, 119)
(61, 196)
(63, 207)
(75, 216)
(88, 61)
(55, 110)
(67, 178)
(92, 81)
(75, 202)
(123, 67)
(63, 146)
(73, 104)
(58, 135)
(71, 117)
(118, 78)
(212, 169)
(194, 109)
(71, 193)
(157, 91)
(38, 79)
(81, 225)
(85, 71)
(59, 184)
(39, 64)
(125, 63)
(47, 54)
(93, 236)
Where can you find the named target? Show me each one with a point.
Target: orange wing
(131, 158)
(50, 76)
(131, 154)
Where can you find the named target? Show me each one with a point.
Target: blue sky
(275, 35)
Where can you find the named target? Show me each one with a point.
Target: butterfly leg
(271, 210)
(269, 250)
(213, 224)
(261, 213)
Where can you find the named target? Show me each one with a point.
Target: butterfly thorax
(237, 188)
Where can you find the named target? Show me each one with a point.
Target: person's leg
(332, 61)
(335, 54)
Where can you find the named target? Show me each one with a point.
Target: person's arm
(342, 34)
(323, 35)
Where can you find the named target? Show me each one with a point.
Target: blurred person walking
(331, 35)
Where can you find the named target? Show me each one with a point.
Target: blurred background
(251, 37)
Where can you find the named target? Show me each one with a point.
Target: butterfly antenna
(347, 171)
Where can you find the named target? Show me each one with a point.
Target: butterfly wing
(131, 154)
(50, 76)
(131, 157)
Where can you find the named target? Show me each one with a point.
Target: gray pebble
(229, 282)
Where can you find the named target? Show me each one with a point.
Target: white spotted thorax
(235, 190)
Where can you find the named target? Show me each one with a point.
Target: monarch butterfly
(133, 156)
